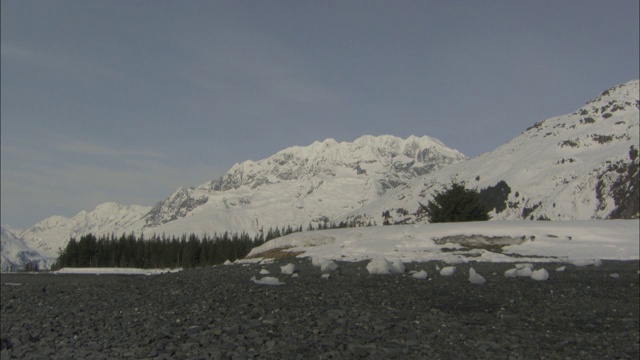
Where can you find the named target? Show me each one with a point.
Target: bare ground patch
(277, 253)
(490, 243)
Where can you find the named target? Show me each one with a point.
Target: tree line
(168, 252)
(161, 251)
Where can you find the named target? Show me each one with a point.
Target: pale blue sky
(126, 100)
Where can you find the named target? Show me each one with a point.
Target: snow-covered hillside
(15, 254)
(578, 166)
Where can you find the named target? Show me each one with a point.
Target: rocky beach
(589, 312)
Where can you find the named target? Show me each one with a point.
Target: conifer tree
(455, 204)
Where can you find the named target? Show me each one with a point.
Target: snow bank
(542, 241)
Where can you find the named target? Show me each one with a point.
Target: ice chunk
(328, 266)
(540, 275)
(511, 273)
(398, 267)
(324, 264)
(586, 262)
(288, 269)
(476, 278)
(316, 261)
(525, 271)
(379, 266)
(448, 270)
(420, 275)
(384, 266)
(267, 280)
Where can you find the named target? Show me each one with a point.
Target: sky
(126, 101)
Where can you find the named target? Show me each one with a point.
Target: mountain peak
(370, 165)
(323, 158)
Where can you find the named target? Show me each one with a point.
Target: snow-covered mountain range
(582, 165)
(296, 186)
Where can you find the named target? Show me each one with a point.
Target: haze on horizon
(126, 101)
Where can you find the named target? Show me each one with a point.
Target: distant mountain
(53, 233)
(15, 254)
(578, 166)
(582, 165)
(296, 186)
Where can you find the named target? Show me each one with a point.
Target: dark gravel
(217, 313)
